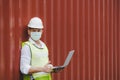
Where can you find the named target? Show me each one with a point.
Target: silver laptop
(67, 61)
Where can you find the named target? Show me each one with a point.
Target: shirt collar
(33, 42)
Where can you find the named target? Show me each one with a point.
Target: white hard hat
(35, 22)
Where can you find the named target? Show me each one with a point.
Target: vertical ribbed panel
(90, 27)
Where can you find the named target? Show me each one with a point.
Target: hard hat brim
(35, 27)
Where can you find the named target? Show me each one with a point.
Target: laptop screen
(67, 61)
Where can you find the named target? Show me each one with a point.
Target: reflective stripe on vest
(39, 58)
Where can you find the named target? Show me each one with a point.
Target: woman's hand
(47, 68)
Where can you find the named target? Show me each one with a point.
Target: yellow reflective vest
(39, 58)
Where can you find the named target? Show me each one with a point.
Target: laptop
(67, 61)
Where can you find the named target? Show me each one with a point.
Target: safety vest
(39, 58)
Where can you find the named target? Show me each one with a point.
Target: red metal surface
(91, 27)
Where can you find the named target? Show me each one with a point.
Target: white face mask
(36, 35)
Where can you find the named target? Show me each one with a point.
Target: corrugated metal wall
(91, 27)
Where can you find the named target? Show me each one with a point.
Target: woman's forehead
(35, 29)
